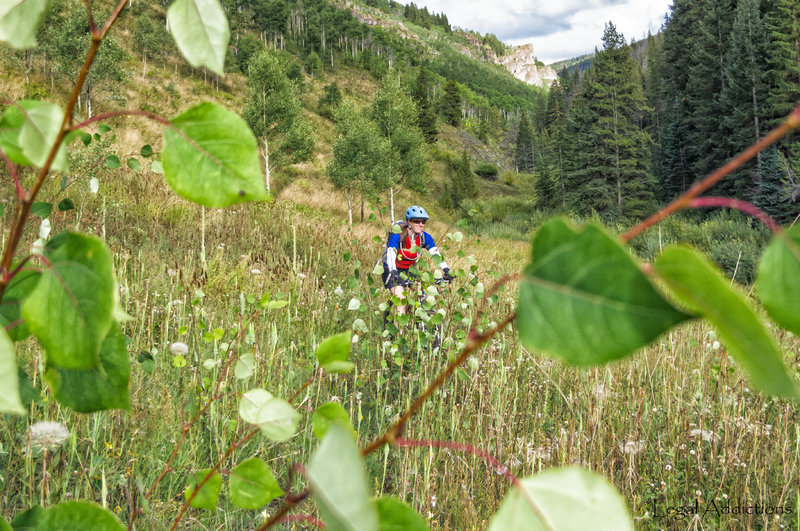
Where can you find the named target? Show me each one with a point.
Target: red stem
(301, 518)
(744, 206)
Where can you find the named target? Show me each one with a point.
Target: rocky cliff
(521, 62)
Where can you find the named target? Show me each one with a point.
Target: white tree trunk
(266, 162)
(349, 207)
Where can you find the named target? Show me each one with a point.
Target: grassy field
(675, 424)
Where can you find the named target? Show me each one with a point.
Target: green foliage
(329, 101)
(333, 351)
(28, 130)
(394, 515)
(253, 485)
(585, 300)
(211, 158)
(487, 170)
(558, 499)
(327, 414)
(73, 516)
(20, 20)
(207, 496)
(777, 284)
(339, 483)
(691, 277)
(525, 154)
(10, 400)
(462, 182)
(201, 32)
(17, 289)
(275, 417)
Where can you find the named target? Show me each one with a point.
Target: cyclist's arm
(391, 252)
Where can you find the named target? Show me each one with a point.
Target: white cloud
(558, 30)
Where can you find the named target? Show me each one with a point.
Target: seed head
(48, 434)
(179, 348)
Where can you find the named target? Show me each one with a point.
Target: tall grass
(674, 423)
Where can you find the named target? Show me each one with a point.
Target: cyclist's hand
(446, 276)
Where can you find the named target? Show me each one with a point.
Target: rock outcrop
(521, 62)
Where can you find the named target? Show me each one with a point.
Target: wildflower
(715, 345)
(632, 447)
(179, 348)
(47, 434)
(255, 271)
(172, 272)
(301, 276)
(706, 435)
(338, 291)
(668, 467)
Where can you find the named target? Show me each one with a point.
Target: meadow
(676, 428)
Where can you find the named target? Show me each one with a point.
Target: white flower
(255, 271)
(44, 229)
(301, 276)
(706, 435)
(179, 348)
(355, 338)
(94, 185)
(632, 447)
(338, 291)
(715, 345)
(48, 434)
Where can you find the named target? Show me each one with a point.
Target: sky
(558, 29)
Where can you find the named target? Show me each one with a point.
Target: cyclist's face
(417, 225)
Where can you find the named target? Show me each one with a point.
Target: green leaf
(66, 204)
(20, 286)
(134, 164)
(10, 400)
(104, 128)
(20, 20)
(147, 361)
(157, 167)
(333, 351)
(212, 158)
(275, 417)
(70, 310)
(41, 209)
(584, 299)
(208, 495)
(146, 151)
(244, 366)
(697, 282)
(113, 162)
(28, 130)
(276, 305)
(86, 138)
(566, 498)
(253, 485)
(777, 283)
(30, 519)
(96, 388)
(4, 525)
(394, 515)
(79, 516)
(201, 32)
(2, 210)
(328, 414)
(339, 483)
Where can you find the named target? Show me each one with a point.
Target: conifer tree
(463, 184)
(774, 193)
(451, 103)
(556, 129)
(525, 154)
(742, 96)
(617, 166)
(427, 117)
(783, 60)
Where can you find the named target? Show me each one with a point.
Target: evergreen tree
(463, 184)
(617, 167)
(742, 96)
(782, 75)
(556, 130)
(451, 103)
(525, 152)
(427, 116)
(330, 99)
(774, 193)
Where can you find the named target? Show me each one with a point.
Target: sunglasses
(423, 221)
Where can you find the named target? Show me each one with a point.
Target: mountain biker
(404, 250)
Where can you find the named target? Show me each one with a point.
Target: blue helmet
(416, 212)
